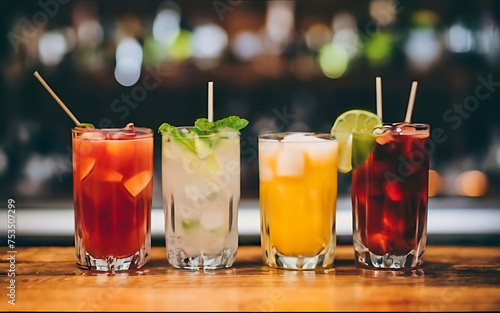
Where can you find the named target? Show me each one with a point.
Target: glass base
(369, 259)
(112, 264)
(180, 259)
(322, 260)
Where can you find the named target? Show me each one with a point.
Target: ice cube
(393, 190)
(406, 130)
(301, 137)
(213, 216)
(269, 148)
(120, 135)
(194, 194)
(187, 211)
(384, 138)
(107, 175)
(321, 150)
(316, 148)
(265, 172)
(93, 135)
(86, 166)
(138, 182)
(290, 160)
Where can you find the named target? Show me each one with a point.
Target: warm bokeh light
(472, 184)
(89, 33)
(317, 35)
(279, 25)
(435, 183)
(383, 11)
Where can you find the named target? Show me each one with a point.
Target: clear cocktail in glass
(298, 193)
(201, 193)
(112, 190)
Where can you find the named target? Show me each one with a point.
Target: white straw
(411, 102)
(211, 101)
(378, 82)
(53, 94)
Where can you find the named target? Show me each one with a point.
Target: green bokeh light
(333, 60)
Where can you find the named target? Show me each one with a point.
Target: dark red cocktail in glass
(389, 198)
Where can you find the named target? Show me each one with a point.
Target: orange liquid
(112, 190)
(298, 212)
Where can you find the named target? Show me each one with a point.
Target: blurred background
(283, 65)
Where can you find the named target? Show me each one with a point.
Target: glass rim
(209, 133)
(279, 136)
(141, 132)
(393, 126)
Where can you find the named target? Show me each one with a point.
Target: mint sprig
(233, 122)
(203, 137)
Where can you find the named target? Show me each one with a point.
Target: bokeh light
(89, 33)
(459, 38)
(209, 41)
(166, 26)
(423, 48)
(435, 183)
(246, 45)
(128, 61)
(472, 184)
(181, 48)
(51, 48)
(383, 11)
(317, 35)
(379, 49)
(333, 60)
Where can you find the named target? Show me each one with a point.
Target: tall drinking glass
(389, 198)
(298, 193)
(201, 193)
(112, 190)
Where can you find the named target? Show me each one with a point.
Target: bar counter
(454, 278)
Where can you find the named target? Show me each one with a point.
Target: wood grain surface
(453, 279)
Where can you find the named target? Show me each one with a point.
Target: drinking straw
(411, 102)
(211, 101)
(53, 94)
(378, 82)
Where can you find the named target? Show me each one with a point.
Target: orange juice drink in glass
(112, 190)
(298, 193)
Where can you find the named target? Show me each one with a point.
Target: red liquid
(113, 188)
(389, 196)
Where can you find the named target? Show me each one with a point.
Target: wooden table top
(453, 278)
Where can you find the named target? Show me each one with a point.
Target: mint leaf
(233, 122)
(177, 134)
(88, 125)
(204, 125)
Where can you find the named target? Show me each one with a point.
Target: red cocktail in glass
(389, 198)
(112, 190)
